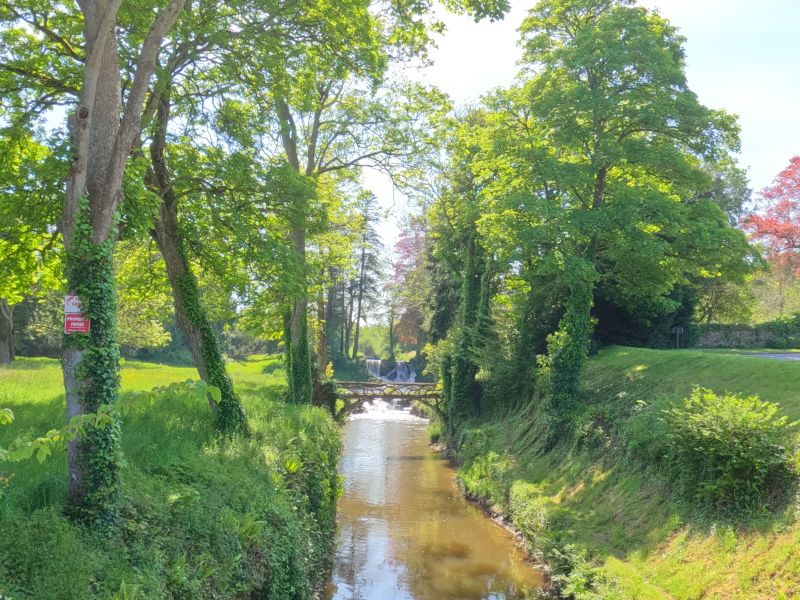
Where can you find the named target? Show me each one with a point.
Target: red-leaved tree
(778, 225)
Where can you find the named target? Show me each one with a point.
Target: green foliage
(490, 478)
(30, 202)
(185, 391)
(42, 447)
(144, 299)
(730, 451)
(205, 516)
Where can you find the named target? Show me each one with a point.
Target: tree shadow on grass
(264, 391)
(24, 363)
(272, 368)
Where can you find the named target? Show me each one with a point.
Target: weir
(403, 372)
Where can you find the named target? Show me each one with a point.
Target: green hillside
(591, 494)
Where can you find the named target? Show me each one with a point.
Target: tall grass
(205, 517)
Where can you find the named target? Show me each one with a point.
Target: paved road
(794, 356)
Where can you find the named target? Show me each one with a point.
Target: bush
(645, 434)
(729, 451)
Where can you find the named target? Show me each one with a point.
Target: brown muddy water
(405, 533)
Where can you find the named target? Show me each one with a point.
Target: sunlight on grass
(193, 498)
(652, 543)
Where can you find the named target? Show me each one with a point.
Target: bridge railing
(355, 393)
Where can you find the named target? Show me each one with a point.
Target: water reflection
(404, 530)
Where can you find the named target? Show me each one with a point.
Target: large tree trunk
(190, 315)
(101, 142)
(6, 332)
(298, 352)
(297, 347)
(91, 362)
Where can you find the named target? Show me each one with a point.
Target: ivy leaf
(215, 393)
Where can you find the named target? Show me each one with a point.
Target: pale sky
(742, 56)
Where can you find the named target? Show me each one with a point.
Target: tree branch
(132, 117)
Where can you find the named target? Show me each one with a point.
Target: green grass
(652, 543)
(652, 374)
(204, 517)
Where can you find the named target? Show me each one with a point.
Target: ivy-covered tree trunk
(568, 347)
(90, 362)
(465, 389)
(6, 332)
(192, 320)
(298, 352)
(190, 315)
(102, 137)
(91, 378)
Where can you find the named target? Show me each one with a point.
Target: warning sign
(72, 305)
(76, 323)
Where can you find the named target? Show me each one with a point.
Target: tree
(103, 131)
(586, 183)
(369, 263)
(611, 137)
(777, 227)
(412, 282)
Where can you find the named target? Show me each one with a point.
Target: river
(405, 533)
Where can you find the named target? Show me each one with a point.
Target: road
(794, 356)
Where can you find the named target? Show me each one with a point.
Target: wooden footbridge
(355, 393)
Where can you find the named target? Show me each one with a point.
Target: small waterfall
(374, 367)
(404, 373)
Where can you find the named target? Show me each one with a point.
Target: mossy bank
(606, 518)
(203, 517)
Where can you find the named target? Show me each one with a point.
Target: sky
(742, 56)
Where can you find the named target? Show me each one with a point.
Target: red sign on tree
(76, 323)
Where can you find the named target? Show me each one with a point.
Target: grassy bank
(591, 502)
(204, 518)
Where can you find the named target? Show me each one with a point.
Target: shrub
(489, 477)
(529, 514)
(730, 451)
(645, 434)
